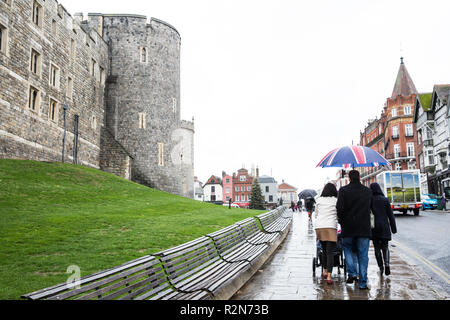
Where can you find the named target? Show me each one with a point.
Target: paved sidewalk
(287, 275)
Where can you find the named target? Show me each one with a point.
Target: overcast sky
(278, 84)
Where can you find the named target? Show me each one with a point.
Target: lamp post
(65, 107)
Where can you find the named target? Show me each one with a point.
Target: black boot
(386, 261)
(379, 259)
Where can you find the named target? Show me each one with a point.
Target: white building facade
(269, 189)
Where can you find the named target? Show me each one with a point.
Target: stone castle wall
(122, 70)
(27, 133)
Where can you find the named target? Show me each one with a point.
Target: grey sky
(278, 84)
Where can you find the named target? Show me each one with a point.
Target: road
(426, 239)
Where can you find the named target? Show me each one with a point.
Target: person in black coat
(353, 212)
(384, 223)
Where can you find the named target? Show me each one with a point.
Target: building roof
(442, 91)
(266, 179)
(425, 100)
(286, 186)
(216, 179)
(404, 86)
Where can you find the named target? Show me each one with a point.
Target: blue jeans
(357, 262)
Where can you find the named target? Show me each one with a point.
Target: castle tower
(102, 92)
(400, 133)
(143, 102)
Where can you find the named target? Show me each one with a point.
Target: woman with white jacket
(326, 227)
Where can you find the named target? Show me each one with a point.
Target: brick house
(394, 134)
(242, 184)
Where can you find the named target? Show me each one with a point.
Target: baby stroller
(339, 260)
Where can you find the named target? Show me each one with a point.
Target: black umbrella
(308, 193)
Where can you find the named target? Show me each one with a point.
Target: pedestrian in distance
(443, 202)
(299, 205)
(384, 224)
(353, 211)
(326, 225)
(293, 206)
(309, 205)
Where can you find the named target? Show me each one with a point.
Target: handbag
(372, 220)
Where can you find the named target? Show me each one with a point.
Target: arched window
(144, 55)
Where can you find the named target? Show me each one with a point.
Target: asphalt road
(426, 239)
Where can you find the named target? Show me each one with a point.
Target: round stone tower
(143, 101)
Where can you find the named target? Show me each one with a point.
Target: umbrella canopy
(308, 193)
(353, 156)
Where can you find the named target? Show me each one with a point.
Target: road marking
(441, 273)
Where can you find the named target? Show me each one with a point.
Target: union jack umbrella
(353, 156)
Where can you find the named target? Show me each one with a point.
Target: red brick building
(394, 134)
(242, 184)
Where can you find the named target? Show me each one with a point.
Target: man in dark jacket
(353, 211)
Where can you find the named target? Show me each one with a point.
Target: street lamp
(65, 107)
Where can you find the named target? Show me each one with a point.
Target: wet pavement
(288, 275)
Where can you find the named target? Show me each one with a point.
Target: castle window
(161, 154)
(3, 38)
(35, 66)
(33, 100)
(37, 13)
(174, 105)
(93, 67)
(144, 55)
(54, 27)
(394, 113)
(72, 48)
(142, 123)
(102, 76)
(53, 112)
(69, 88)
(94, 123)
(54, 76)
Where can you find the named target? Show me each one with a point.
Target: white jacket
(326, 213)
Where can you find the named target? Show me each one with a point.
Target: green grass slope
(54, 215)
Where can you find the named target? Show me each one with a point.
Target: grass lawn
(54, 215)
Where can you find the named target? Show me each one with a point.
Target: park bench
(139, 279)
(211, 267)
(253, 233)
(286, 214)
(233, 246)
(273, 222)
(197, 265)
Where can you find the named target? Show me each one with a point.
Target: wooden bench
(272, 222)
(206, 268)
(139, 279)
(233, 246)
(197, 265)
(286, 214)
(253, 233)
